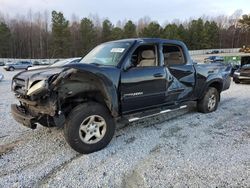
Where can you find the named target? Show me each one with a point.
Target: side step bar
(161, 112)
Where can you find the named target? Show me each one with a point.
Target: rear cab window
(173, 55)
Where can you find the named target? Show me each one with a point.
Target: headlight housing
(37, 87)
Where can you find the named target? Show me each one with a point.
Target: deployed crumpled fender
(80, 79)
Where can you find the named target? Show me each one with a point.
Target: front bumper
(22, 117)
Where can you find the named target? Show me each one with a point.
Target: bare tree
(142, 23)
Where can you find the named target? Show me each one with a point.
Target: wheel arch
(216, 83)
(87, 86)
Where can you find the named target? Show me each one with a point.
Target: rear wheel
(89, 127)
(210, 101)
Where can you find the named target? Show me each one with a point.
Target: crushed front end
(39, 101)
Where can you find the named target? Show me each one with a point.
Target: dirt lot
(189, 150)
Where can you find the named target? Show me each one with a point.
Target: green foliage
(171, 31)
(129, 30)
(211, 32)
(245, 20)
(202, 35)
(196, 34)
(117, 33)
(88, 35)
(61, 35)
(106, 30)
(182, 33)
(5, 39)
(153, 30)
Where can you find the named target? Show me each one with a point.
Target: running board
(161, 112)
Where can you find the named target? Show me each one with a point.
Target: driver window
(144, 56)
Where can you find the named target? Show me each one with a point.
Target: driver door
(143, 85)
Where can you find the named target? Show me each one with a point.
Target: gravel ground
(184, 149)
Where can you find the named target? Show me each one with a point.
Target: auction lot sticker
(117, 50)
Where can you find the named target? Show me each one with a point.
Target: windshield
(107, 54)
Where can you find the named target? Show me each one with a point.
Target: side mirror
(132, 63)
(129, 65)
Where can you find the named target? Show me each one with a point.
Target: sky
(158, 10)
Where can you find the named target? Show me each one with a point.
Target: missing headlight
(37, 87)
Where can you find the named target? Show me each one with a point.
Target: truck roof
(150, 40)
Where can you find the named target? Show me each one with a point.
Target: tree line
(38, 36)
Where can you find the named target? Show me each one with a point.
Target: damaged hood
(111, 73)
(105, 72)
(38, 74)
(23, 80)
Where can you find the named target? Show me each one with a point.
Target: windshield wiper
(97, 64)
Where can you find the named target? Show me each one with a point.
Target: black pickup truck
(119, 80)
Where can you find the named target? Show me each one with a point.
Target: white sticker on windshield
(117, 50)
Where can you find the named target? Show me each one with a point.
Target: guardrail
(208, 51)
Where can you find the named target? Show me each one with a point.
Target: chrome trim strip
(161, 112)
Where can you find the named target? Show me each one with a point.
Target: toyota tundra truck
(124, 80)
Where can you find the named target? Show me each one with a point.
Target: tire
(209, 102)
(89, 127)
(11, 69)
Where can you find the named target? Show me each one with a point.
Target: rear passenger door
(182, 79)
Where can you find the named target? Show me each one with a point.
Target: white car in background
(11, 66)
(58, 63)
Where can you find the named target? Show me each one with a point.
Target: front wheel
(89, 127)
(209, 102)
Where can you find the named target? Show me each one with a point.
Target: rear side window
(173, 55)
